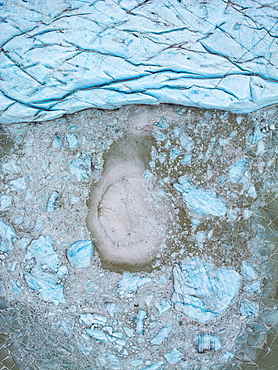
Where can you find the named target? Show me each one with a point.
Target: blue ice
(46, 284)
(204, 202)
(206, 342)
(249, 308)
(162, 123)
(163, 306)
(72, 141)
(79, 254)
(162, 335)
(89, 319)
(257, 134)
(186, 160)
(57, 141)
(253, 288)
(248, 271)
(10, 167)
(139, 321)
(18, 184)
(80, 167)
(174, 356)
(51, 201)
(16, 288)
(98, 335)
(5, 202)
(202, 291)
(128, 332)
(112, 308)
(159, 136)
(130, 283)
(227, 356)
(7, 235)
(42, 250)
(239, 171)
(174, 154)
(23, 242)
(155, 366)
(186, 142)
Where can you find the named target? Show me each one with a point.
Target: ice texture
(7, 234)
(130, 283)
(121, 54)
(202, 291)
(204, 202)
(206, 342)
(79, 254)
(42, 250)
(238, 172)
(139, 321)
(47, 284)
(174, 356)
(162, 334)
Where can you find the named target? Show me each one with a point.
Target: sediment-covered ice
(202, 291)
(62, 57)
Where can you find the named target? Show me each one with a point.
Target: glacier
(62, 56)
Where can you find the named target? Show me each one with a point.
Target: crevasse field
(138, 185)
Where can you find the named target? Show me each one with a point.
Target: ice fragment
(5, 202)
(18, 184)
(139, 321)
(51, 201)
(7, 234)
(201, 201)
(173, 357)
(155, 366)
(163, 306)
(130, 283)
(16, 288)
(80, 167)
(247, 271)
(42, 250)
(10, 167)
(186, 160)
(207, 342)
(238, 172)
(72, 141)
(203, 292)
(79, 254)
(249, 308)
(162, 334)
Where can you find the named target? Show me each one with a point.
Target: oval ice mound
(123, 217)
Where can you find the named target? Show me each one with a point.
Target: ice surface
(174, 356)
(130, 56)
(202, 291)
(5, 202)
(248, 271)
(204, 202)
(79, 254)
(249, 308)
(238, 172)
(162, 334)
(42, 250)
(46, 284)
(139, 321)
(206, 342)
(7, 234)
(130, 283)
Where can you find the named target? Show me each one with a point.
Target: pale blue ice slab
(186, 160)
(162, 335)
(174, 356)
(18, 184)
(139, 321)
(257, 134)
(202, 291)
(72, 141)
(238, 172)
(186, 142)
(98, 335)
(7, 235)
(136, 363)
(206, 342)
(248, 271)
(23, 242)
(249, 308)
(57, 141)
(130, 283)
(163, 306)
(80, 167)
(79, 254)
(51, 201)
(129, 332)
(5, 202)
(89, 319)
(162, 123)
(42, 250)
(204, 202)
(174, 154)
(46, 284)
